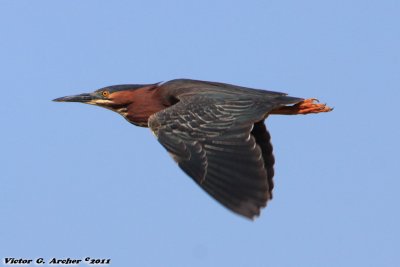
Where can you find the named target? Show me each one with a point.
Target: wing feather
(213, 141)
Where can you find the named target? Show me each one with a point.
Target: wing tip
(253, 213)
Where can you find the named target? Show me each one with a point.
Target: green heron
(214, 131)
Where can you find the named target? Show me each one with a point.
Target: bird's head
(118, 98)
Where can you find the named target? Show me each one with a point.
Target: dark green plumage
(214, 131)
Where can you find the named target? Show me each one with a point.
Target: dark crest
(123, 87)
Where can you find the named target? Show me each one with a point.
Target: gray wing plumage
(222, 143)
(212, 142)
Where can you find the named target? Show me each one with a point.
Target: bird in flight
(214, 131)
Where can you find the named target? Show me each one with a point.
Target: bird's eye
(105, 93)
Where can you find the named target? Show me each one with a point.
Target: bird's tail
(287, 100)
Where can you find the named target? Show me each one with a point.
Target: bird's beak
(82, 98)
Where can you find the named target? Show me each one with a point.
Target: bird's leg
(306, 106)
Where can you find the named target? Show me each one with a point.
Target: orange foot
(306, 106)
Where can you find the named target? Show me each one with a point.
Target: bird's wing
(212, 141)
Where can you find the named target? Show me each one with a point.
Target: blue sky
(80, 181)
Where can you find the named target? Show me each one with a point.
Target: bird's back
(179, 87)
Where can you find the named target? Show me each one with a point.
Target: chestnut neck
(139, 104)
